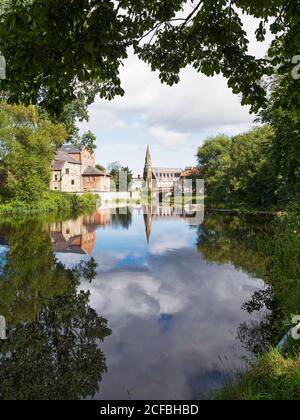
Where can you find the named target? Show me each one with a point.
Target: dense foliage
(61, 51)
(27, 147)
(121, 176)
(272, 377)
(241, 170)
(50, 202)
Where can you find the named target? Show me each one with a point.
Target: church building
(160, 178)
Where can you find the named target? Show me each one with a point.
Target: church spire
(148, 156)
(148, 173)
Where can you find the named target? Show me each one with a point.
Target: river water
(126, 306)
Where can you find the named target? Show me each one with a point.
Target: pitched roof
(69, 148)
(58, 165)
(65, 157)
(192, 172)
(91, 171)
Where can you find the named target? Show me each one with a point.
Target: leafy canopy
(241, 169)
(58, 51)
(27, 145)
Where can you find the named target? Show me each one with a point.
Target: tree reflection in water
(53, 334)
(243, 242)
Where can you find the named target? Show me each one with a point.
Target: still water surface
(163, 318)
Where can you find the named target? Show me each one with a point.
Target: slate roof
(58, 165)
(91, 171)
(65, 157)
(69, 148)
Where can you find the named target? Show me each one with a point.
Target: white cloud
(173, 120)
(169, 137)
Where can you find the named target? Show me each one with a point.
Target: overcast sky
(173, 120)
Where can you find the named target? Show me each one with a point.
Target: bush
(50, 202)
(272, 377)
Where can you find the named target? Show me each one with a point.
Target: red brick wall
(87, 159)
(91, 183)
(105, 184)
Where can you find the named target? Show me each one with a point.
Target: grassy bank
(50, 202)
(272, 377)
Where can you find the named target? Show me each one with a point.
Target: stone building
(136, 183)
(74, 171)
(159, 178)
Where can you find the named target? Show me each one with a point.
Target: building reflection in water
(156, 213)
(77, 236)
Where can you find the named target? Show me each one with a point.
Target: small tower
(148, 171)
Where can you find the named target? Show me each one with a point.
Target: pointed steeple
(148, 175)
(148, 156)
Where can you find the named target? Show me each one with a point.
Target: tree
(58, 52)
(240, 170)
(27, 145)
(101, 168)
(214, 162)
(87, 140)
(286, 144)
(121, 177)
(252, 175)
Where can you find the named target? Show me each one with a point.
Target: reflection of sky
(3, 253)
(174, 317)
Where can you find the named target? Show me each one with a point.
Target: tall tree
(121, 177)
(27, 145)
(214, 162)
(252, 175)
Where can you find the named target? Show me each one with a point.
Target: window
(67, 171)
(56, 177)
(72, 182)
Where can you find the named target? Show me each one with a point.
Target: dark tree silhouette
(52, 348)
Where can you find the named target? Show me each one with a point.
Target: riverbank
(272, 377)
(50, 202)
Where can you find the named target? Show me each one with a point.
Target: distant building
(160, 178)
(137, 183)
(74, 171)
(188, 179)
(190, 173)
